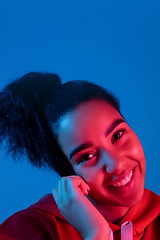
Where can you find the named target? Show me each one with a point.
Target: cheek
(91, 176)
(86, 174)
(133, 148)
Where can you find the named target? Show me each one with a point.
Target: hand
(78, 210)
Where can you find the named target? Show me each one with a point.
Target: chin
(134, 199)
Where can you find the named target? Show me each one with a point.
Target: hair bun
(35, 88)
(22, 104)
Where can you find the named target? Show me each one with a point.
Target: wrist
(101, 235)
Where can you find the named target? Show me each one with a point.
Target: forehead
(86, 123)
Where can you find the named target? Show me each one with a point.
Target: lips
(124, 181)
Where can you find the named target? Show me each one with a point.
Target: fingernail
(86, 193)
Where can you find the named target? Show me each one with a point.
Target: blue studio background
(115, 43)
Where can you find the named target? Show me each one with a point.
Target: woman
(77, 130)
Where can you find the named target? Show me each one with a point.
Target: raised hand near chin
(78, 210)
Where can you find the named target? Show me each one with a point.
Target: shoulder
(152, 230)
(28, 224)
(150, 205)
(152, 199)
(147, 210)
(39, 221)
(32, 223)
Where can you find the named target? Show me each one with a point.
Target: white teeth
(124, 181)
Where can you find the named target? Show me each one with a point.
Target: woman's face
(105, 152)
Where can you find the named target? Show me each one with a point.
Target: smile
(124, 181)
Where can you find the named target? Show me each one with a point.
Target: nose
(113, 163)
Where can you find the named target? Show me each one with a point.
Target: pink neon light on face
(105, 151)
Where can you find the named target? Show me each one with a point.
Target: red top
(43, 221)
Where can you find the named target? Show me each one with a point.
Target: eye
(118, 135)
(86, 158)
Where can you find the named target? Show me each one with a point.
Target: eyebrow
(80, 148)
(113, 125)
(86, 145)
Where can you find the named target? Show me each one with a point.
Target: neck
(112, 214)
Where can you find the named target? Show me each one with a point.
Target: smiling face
(105, 151)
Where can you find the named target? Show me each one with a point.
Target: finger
(59, 192)
(55, 195)
(75, 185)
(79, 182)
(64, 193)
